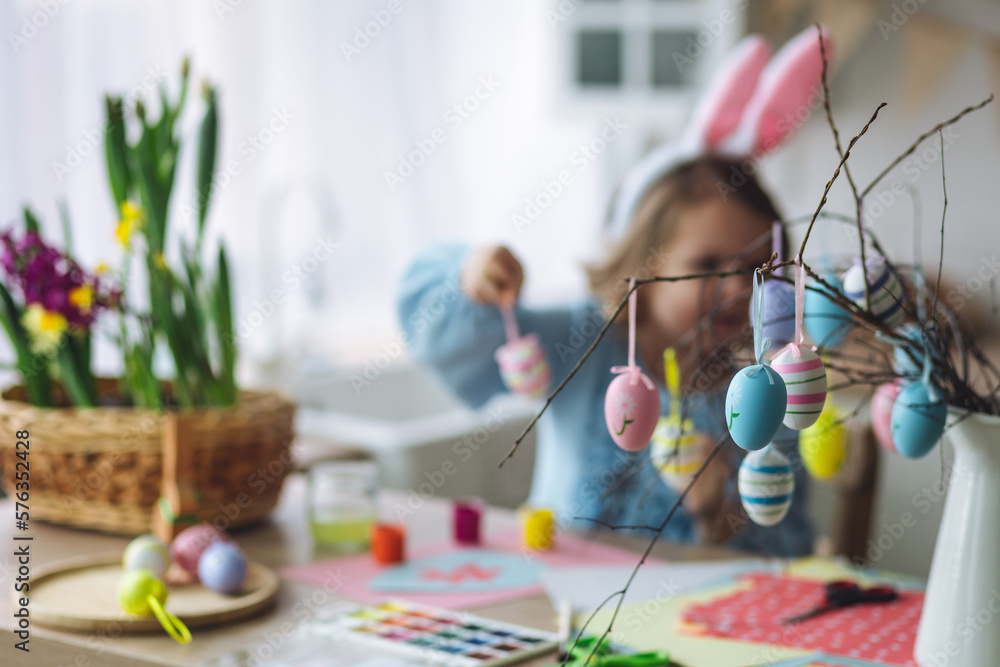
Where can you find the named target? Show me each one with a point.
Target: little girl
(686, 217)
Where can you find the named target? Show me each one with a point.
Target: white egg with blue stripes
(766, 484)
(884, 291)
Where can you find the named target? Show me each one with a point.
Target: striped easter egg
(766, 483)
(676, 452)
(884, 290)
(524, 367)
(805, 384)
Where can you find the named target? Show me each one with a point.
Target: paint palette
(436, 636)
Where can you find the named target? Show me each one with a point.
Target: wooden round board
(81, 595)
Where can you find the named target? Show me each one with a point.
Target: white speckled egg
(676, 451)
(805, 385)
(766, 484)
(755, 406)
(631, 410)
(148, 553)
(884, 290)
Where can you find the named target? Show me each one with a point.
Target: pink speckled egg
(191, 542)
(631, 409)
(881, 413)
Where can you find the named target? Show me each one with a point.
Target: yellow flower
(101, 269)
(132, 220)
(159, 261)
(46, 328)
(82, 298)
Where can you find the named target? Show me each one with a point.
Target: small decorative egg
(631, 409)
(523, 366)
(223, 567)
(884, 291)
(881, 413)
(826, 323)
(918, 420)
(823, 445)
(755, 406)
(136, 587)
(189, 544)
(766, 484)
(903, 363)
(148, 553)
(676, 451)
(805, 384)
(779, 311)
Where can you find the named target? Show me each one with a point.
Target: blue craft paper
(509, 571)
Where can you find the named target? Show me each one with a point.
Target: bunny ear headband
(750, 107)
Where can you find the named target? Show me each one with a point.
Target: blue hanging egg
(766, 484)
(918, 419)
(755, 406)
(779, 312)
(884, 291)
(826, 323)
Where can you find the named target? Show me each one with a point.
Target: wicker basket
(101, 468)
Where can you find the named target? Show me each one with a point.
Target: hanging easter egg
(189, 544)
(755, 406)
(148, 553)
(223, 568)
(826, 322)
(884, 291)
(881, 413)
(766, 484)
(631, 409)
(823, 445)
(523, 366)
(903, 355)
(779, 312)
(136, 587)
(805, 385)
(676, 451)
(918, 419)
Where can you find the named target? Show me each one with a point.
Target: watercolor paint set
(437, 636)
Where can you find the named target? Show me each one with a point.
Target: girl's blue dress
(579, 471)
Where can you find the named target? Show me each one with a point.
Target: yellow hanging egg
(823, 445)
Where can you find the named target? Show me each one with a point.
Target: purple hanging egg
(778, 322)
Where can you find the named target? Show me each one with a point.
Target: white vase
(960, 623)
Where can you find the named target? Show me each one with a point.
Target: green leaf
(32, 367)
(30, 221)
(67, 227)
(116, 151)
(224, 328)
(76, 377)
(207, 147)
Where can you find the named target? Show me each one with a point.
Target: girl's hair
(656, 218)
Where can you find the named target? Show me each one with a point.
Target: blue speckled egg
(918, 419)
(222, 567)
(755, 406)
(779, 311)
(826, 323)
(766, 483)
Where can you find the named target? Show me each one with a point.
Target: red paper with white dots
(882, 632)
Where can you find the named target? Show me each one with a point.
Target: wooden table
(283, 541)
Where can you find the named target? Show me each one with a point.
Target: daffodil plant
(49, 304)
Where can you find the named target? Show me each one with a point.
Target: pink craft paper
(884, 633)
(356, 571)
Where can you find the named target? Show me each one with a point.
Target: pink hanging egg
(631, 409)
(881, 413)
(805, 384)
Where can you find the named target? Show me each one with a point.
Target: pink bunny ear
(782, 100)
(722, 104)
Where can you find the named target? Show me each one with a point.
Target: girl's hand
(492, 275)
(705, 499)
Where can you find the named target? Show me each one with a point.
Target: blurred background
(354, 134)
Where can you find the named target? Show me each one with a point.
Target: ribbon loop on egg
(635, 375)
(800, 300)
(761, 343)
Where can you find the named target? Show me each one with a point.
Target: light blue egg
(902, 361)
(826, 323)
(917, 420)
(779, 312)
(755, 406)
(766, 484)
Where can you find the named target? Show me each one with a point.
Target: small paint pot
(467, 516)
(539, 527)
(388, 543)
